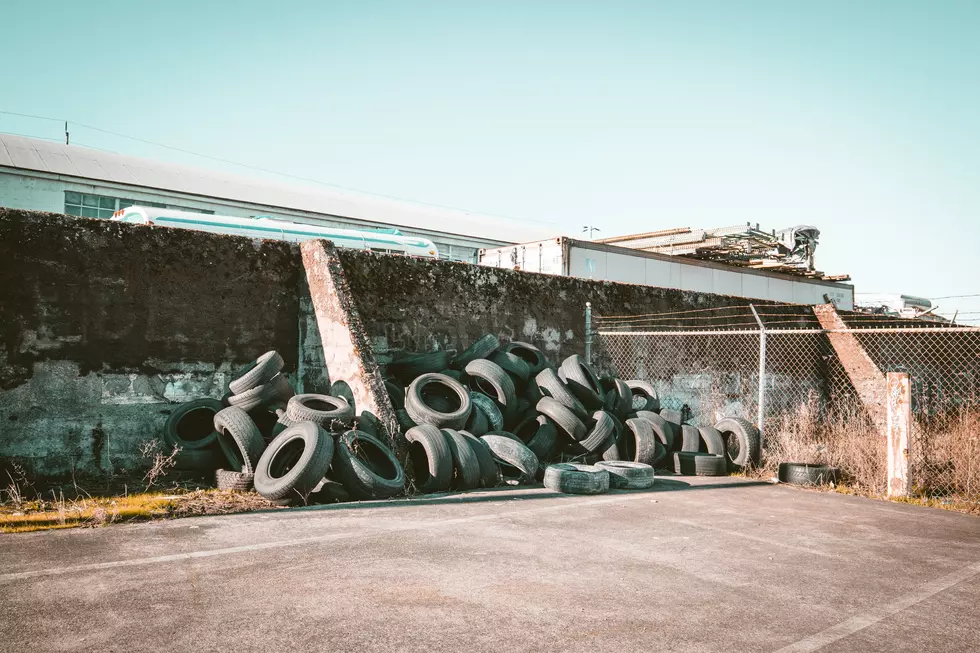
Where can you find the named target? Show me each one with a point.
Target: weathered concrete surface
(715, 566)
(104, 325)
(346, 348)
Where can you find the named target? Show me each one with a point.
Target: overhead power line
(256, 168)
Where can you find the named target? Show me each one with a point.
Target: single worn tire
(807, 474)
(199, 461)
(513, 457)
(429, 455)
(322, 410)
(674, 419)
(628, 475)
(396, 394)
(696, 463)
(479, 349)
(366, 467)
(477, 423)
(342, 390)
(256, 373)
(600, 434)
(582, 381)
(748, 438)
(406, 367)
(239, 439)
(641, 444)
(276, 389)
(228, 480)
(490, 379)
(712, 440)
(490, 410)
(466, 466)
(530, 354)
(368, 422)
(645, 396)
(569, 478)
(539, 434)
(191, 425)
(661, 428)
(294, 463)
(417, 401)
(515, 366)
(551, 385)
(690, 438)
(566, 421)
(489, 473)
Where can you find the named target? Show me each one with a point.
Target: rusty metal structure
(790, 251)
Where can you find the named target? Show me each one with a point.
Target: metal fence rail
(815, 392)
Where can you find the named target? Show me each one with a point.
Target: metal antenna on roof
(66, 132)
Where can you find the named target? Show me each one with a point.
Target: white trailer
(588, 260)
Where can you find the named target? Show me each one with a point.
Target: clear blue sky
(862, 118)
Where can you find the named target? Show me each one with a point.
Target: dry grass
(59, 512)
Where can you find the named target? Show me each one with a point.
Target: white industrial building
(46, 176)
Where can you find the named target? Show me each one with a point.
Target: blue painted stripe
(311, 234)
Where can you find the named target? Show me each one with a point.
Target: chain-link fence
(816, 389)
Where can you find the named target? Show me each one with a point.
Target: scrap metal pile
(789, 251)
(497, 413)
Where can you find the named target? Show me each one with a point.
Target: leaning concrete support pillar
(864, 375)
(346, 346)
(899, 423)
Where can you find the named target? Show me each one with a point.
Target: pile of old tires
(291, 448)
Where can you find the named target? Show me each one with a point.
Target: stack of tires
(291, 448)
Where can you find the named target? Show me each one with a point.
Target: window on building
(103, 206)
(456, 253)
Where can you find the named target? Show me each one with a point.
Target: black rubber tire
(614, 450)
(276, 390)
(619, 399)
(696, 463)
(513, 457)
(489, 473)
(539, 434)
(421, 410)
(532, 393)
(749, 441)
(342, 390)
(690, 438)
(645, 396)
(191, 425)
(523, 409)
(322, 410)
(360, 464)
(431, 461)
(482, 348)
(626, 475)
(516, 367)
(674, 419)
(405, 422)
(466, 466)
(239, 439)
(294, 463)
(477, 423)
(551, 385)
(712, 440)
(582, 381)
(597, 441)
(396, 394)
(258, 372)
(569, 478)
(406, 366)
(368, 422)
(567, 422)
(808, 474)
(199, 462)
(661, 428)
(641, 444)
(488, 378)
(530, 354)
(490, 410)
(238, 481)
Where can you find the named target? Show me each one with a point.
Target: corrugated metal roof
(72, 160)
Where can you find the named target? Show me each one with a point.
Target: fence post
(762, 370)
(899, 422)
(588, 333)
